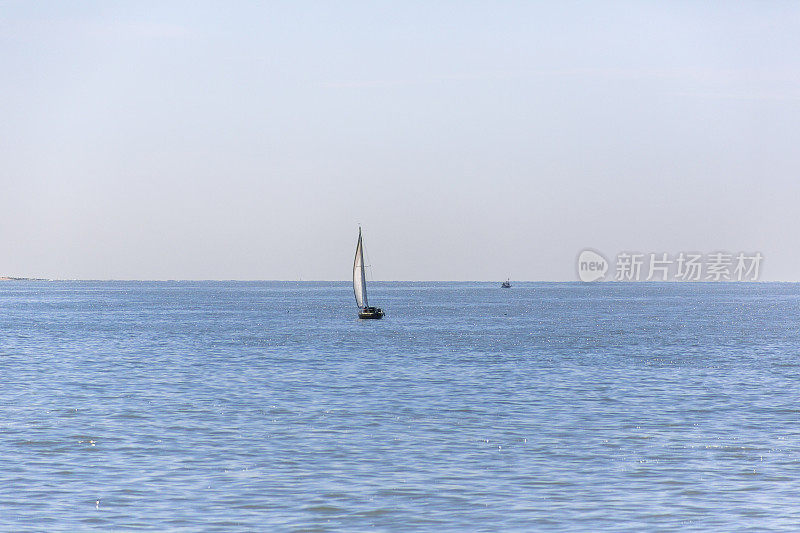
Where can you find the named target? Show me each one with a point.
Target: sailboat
(360, 284)
(506, 284)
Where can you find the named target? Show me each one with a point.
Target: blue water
(268, 406)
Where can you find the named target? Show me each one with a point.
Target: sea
(268, 406)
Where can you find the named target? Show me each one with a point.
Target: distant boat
(506, 284)
(360, 285)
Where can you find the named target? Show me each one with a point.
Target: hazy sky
(472, 140)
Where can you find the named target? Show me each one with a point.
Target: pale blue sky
(472, 140)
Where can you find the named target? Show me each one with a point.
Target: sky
(471, 140)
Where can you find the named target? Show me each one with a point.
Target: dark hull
(371, 313)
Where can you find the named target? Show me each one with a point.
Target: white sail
(359, 281)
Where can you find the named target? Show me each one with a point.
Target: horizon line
(166, 280)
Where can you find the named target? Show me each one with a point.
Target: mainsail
(359, 281)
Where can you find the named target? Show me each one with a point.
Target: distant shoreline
(10, 278)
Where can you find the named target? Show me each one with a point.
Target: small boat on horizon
(360, 284)
(506, 284)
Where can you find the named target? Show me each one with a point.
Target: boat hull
(373, 313)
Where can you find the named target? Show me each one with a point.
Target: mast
(359, 280)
